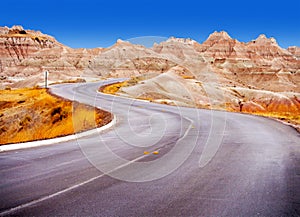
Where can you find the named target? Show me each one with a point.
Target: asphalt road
(209, 163)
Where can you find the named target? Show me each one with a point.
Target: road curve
(208, 163)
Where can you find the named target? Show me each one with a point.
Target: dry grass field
(34, 114)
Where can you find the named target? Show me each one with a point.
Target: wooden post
(46, 78)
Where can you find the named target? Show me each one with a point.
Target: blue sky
(100, 23)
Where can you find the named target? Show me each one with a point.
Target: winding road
(157, 160)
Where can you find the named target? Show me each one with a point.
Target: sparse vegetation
(280, 110)
(34, 114)
(288, 117)
(188, 76)
(112, 88)
(78, 80)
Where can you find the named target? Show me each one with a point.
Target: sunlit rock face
(26, 54)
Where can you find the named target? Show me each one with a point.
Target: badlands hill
(222, 73)
(26, 54)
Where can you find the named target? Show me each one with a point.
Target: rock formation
(257, 76)
(26, 54)
(295, 51)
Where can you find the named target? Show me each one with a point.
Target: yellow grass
(188, 76)
(78, 80)
(112, 88)
(287, 117)
(292, 118)
(33, 114)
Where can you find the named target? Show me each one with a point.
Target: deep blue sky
(100, 23)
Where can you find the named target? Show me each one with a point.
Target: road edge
(57, 140)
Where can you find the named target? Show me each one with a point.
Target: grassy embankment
(287, 117)
(114, 87)
(34, 114)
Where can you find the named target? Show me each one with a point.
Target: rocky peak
(13, 30)
(122, 43)
(17, 34)
(17, 27)
(3, 30)
(219, 36)
(268, 49)
(16, 44)
(182, 40)
(217, 41)
(263, 40)
(17, 30)
(218, 45)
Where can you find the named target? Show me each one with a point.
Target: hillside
(26, 54)
(221, 73)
